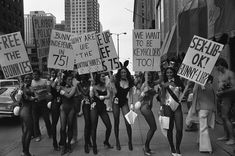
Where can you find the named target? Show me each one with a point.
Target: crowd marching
(64, 95)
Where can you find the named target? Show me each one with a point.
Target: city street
(10, 133)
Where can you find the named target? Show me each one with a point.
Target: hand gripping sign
(200, 59)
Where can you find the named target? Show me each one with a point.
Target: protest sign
(13, 56)
(107, 51)
(200, 60)
(61, 51)
(87, 53)
(146, 50)
(42, 26)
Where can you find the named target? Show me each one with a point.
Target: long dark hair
(66, 75)
(150, 81)
(178, 81)
(97, 78)
(129, 77)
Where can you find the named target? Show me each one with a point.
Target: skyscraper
(81, 16)
(11, 16)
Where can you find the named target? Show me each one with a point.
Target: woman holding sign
(123, 85)
(171, 88)
(98, 108)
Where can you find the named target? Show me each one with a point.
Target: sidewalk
(159, 143)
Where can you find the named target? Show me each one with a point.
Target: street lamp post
(118, 40)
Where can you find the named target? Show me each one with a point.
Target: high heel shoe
(95, 150)
(118, 146)
(69, 148)
(107, 144)
(63, 151)
(130, 146)
(86, 149)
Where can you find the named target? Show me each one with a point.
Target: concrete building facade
(81, 16)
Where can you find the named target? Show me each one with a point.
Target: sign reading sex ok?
(200, 59)
(146, 50)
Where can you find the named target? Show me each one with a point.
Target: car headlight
(16, 111)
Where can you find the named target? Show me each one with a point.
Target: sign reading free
(146, 50)
(200, 59)
(13, 56)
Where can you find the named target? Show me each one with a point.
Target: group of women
(94, 93)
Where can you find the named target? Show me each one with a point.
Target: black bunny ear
(121, 64)
(126, 63)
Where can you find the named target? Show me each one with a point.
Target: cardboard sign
(200, 59)
(107, 51)
(13, 56)
(61, 54)
(146, 50)
(42, 30)
(87, 53)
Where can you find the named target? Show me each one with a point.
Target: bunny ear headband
(125, 64)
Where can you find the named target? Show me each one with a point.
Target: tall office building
(81, 16)
(93, 16)
(60, 26)
(144, 15)
(11, 16)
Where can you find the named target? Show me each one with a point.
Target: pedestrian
(55, 104)
(67, 112)
(226, 84)
(123, 86)
(84, 87)
(99, 93)
(41, 89)
(146, 99)
(205, 106)
(171, 88)
(26, 97)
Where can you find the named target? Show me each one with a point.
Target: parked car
(8, 103)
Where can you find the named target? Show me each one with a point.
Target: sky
(114, 16)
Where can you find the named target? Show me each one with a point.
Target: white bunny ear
(126, 63)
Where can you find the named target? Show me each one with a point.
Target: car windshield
(9, 83)
(5, 99)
